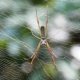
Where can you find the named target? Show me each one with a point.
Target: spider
(43, 41)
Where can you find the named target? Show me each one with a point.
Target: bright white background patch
(57, 29)
(58, 35)
(75, 51)
(14, 20)
(60, 20)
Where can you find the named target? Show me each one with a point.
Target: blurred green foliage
(41, 2)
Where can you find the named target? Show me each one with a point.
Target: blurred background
(18, 39)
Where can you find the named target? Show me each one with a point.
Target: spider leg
(51, 53)
(35, 53)
(37, 19)
(46, 22)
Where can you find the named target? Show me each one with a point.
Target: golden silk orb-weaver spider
(43, 41)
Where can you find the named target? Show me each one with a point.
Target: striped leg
(36, 53)
(51, 53)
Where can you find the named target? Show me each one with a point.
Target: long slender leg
(51, 53)
(36, 53)
(46, 22)
(37, 21)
